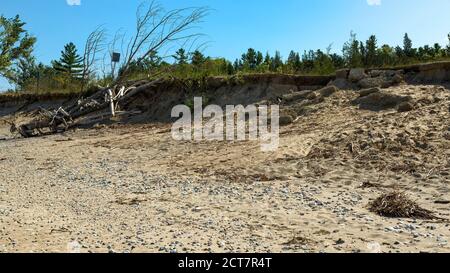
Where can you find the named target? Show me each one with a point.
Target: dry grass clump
(398, 205)
(299, 240)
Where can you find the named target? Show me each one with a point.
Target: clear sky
(235, 25)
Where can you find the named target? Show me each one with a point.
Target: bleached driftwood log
(47, 121)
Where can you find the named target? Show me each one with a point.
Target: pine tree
(267, 60)
(352, 52)
(337, 60)
(197, 58)
(294, 61)
(153, 60)
(15, 44)
(277, 61)
(237, 65)
(308, 60)
(371, 51)
(180, 56)
(230, 68)
(259, 58)
(362, 49)
(400, 53)
(437, 50)
(291, 59)
(448, 46)
(24, 71)
(297, 62)
(323, 63)
(249, 59)
(70, 62)
(407, 46)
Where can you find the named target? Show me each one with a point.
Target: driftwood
(53, 121)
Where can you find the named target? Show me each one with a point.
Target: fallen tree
(61, 119)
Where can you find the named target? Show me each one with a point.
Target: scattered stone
(286, 120)
(301, 95)
(397, 79)
(197, 209)
(380, 101)
(368, 91)
(327, 91)
(341, 83)
(312, 96)
(405, 107)
(342, 73)
(375, 73)
(373, 82)
(356, 74)
(374, 247)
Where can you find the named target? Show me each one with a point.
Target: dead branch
(95, 44)
(156, 29)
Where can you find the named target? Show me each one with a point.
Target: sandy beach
(132, 188)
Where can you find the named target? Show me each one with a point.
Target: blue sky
(233, 26)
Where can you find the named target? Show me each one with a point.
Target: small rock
(327, 91)
(405, 107)
(366, 92)
(397, 79)
(286, 120)
(197, 209)
(373, 82)
(342, 73)
(375, 73)
(356, 74)
(341, 83)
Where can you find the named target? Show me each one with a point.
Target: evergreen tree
(70, 62)
(259, 58)
(153, 60)
(363, 51)
(291, 59)
(25, 70)
(180, 56)
(448, 46)
(337, 60)
(237, 65)
(308, 59)
(197, 58)
(230, 69)
(438, 50)
(352, 52)
(294, 61)
(407, 46)
(400, 54)
(297, 62)
(277, 61)
(267, 60)
(15, 44)
(249, 59)
(323, 63)
(371, 51)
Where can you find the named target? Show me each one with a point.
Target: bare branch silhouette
(95, 44)
(156, 28)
